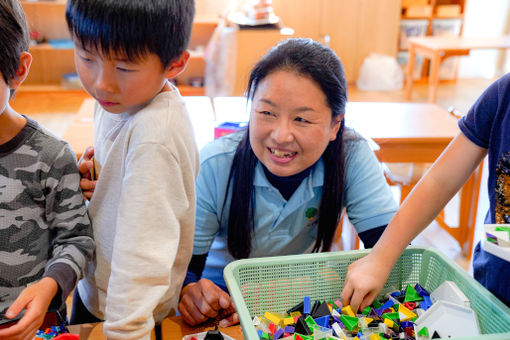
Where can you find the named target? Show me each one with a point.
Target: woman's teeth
(279, 153)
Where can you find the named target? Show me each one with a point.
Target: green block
(366, 311)
(411, 294)
(424, 332)
(350, 322)
(391, 316)
(311, 323)
(376, 304)
(266, 336)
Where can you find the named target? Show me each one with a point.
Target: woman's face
(290, 123)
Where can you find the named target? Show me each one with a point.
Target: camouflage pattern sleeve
(44, 226)
(67, 217)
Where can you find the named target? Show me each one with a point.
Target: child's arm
(72, 240)
(36, 299)
(366, 277)
(153, 240)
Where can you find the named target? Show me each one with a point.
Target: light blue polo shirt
(282, 227)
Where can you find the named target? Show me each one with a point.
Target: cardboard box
(408, 3)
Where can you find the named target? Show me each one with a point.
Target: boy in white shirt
(143, 206)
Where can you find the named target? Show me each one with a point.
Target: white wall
(483, 18)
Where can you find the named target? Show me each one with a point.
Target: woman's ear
(178, 65)
(335, 124)
(25, 60)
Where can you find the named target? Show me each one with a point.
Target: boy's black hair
(14, 38)
(132, 28)
(310, 59)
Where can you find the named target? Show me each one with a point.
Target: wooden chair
(406, 176)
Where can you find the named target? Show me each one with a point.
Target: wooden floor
(55, 111)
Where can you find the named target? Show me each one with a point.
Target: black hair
(310, 59)
(14, 38)
(132, 28)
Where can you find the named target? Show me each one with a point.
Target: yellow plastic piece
(374, 336)
(294, 314)
(288, 321)
(273, 318)
(347, 310)
(389, 323)
(405, 314)
(368, 320)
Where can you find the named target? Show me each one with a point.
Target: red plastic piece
(67, 336)
(410, 305)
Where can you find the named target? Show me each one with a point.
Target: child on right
(143, 208)
(484, 130)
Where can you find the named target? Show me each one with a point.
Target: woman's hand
(85, 165)
(364, 280)
(36, 299)
(203, 300)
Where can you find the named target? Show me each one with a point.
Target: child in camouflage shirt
(45, 233)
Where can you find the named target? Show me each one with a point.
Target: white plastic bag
(380, 72)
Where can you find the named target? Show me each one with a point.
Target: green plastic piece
(376, 304)
(304, 337)
(266, 336)
(411, 294)
(424, 332)
(311, 323)
(366, 311)
(350, 322)
(391, 316)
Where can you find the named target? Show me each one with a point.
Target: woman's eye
(122, 69)
(301, 120)
(266, 113)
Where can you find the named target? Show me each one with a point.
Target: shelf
(45, 88)
(187, 90)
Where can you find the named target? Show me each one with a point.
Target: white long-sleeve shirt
(143, 213)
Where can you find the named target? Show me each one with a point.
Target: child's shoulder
(45, 143)
(164, 118)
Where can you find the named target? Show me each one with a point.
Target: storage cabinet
(50, 63)
(353, 29)
(430, 17)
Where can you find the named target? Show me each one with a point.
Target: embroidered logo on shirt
(310, 213)
(502, 189)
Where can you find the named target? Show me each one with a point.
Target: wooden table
(80, 133)
(404, 133)
(438, 49)
(172, 328)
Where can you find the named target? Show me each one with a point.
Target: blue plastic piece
(306, 305)
(259, 333)
(396, 294)
(322, 321)
(278, 333)
(426, 303)
(406, 324)
(420, 290)
(289, 329)
(387, 305)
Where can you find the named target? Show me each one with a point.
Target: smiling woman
(292, 172)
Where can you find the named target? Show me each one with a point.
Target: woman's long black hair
(310, 59)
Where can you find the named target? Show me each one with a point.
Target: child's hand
(364, 280)
(85, 165)
(36, 299)
(203, 300)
